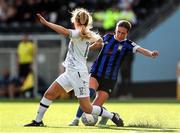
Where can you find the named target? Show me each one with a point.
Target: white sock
(44, 104)
(97, 110)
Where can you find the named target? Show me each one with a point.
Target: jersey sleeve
(105, 37)
(132, 46)
(73, 33)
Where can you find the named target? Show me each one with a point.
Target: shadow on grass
(73, 127)
(140, 129)
(126, 128)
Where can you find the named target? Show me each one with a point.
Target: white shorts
(74, 80)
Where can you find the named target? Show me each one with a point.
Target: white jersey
(77, 52)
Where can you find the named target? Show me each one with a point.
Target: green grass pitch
(138, 115)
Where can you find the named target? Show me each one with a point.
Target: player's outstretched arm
(58, 28)
(147, 52)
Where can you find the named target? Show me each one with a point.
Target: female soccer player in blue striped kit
(76, 76)
(105, 68)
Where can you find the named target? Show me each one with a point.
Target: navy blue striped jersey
(108, 61)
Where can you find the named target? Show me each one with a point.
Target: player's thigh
(61, 84)
(101, 97)
(93, 83)
(53, 91)
(65, 81)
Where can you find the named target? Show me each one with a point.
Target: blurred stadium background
(155, 26)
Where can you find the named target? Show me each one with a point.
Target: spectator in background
(108, 18)
(9, 86)
(26, 54)
(128, 14)
(4, 79)
(3, 7)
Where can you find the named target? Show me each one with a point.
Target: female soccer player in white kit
(76, 75)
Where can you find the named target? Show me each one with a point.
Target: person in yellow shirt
(26, 54)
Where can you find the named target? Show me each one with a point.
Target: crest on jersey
(120, 47)
(106, 42)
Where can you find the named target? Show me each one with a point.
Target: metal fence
(50, 54)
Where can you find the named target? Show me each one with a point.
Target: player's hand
(41, 19)
(100, 41)
(154, 54)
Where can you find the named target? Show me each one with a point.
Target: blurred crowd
(18, 12)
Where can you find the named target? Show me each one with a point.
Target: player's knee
(86, 109)
(49, 95)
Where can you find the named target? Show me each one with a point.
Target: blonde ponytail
(84, 33)
(83, 17)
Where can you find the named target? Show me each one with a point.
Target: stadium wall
(157, 77)
(166, 39)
